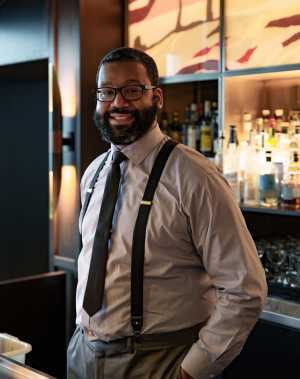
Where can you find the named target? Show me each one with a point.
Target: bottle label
(206, 140)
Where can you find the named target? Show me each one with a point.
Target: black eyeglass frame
(144, 87)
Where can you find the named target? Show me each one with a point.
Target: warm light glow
(67, 76)
(68, 204)
(67, 195)
(68, 93)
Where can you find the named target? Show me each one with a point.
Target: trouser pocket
(81, 360)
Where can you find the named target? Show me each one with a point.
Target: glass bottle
(268, 191)
(231, 163)
(219, 156)
(185, 125)
(247, 124)
(290, 189)
(192, 128)
(250, 190)
(175, 127)
(164, 122)
(206, 131)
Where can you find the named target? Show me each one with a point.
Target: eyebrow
(129, 81)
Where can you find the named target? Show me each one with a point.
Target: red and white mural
(181, 35)
(262, 33)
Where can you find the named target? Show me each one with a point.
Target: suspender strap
(139, 235)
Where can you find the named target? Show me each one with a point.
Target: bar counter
(281, 311)
(10, 369)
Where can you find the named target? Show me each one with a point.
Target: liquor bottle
(268, 191)
(266, 114)
(247, 124)
(205, 143)
(219, 153)
(206, 139)
(294, 120)
(294, 165)
(290, 189)
(258, 134)
(164, 122)
(215, 127)
(271, 142)
(290, 192)
(192, 128)
(231, 163)
(206, 132)
(249, 188)
(185, 125)
(279, 118)
(175, 127)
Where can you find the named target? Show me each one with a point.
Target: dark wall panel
(24, 177)
(23, 30)
(101, 29)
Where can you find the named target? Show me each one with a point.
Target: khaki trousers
(135, 360)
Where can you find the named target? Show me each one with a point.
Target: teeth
(121, 116)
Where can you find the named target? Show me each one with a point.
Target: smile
(121, 118)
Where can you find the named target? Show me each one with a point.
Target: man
(180, 284)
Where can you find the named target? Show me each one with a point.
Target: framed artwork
(183, 36)
(261, 33)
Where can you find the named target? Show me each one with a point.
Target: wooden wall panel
(101, 29)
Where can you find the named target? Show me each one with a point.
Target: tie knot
(118, 157)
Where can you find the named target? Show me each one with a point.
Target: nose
(119, 101)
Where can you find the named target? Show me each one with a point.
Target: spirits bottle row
(260, 157)
(261, 160)
(198, 128)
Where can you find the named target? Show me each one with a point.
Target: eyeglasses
(129, 92)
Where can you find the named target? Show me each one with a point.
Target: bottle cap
(278, 112)
(266, 112)
(247, 116)
(193, 107)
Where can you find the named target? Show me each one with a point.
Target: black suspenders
(139, 234)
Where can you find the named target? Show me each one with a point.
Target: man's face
(124, 121)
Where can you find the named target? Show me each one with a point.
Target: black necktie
(93, 296)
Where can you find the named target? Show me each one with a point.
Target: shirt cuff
(198, 365)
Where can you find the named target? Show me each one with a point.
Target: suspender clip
(146, 202)
(137, 322)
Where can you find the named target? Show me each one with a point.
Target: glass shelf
(278, 211)
(189, 78)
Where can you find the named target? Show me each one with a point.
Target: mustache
(97, 116)
(121, 111)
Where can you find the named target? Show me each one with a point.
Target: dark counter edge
(26, 371)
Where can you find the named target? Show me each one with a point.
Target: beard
(125, 134)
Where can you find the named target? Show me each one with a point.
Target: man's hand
(184, 375)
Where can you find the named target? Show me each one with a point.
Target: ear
(158, 97)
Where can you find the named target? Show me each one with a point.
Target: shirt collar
(137, 151)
